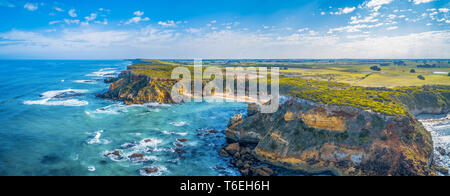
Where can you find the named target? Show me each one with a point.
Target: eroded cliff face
(317, 138)
(138, 89)
(429, 100)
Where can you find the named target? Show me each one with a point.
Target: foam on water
(85, 81)
(48, 98)
(174, 133)
(97, 140)
(179, 124)
(105, 72)
(439, 127)
(69, 102)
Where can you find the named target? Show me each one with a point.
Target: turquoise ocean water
(44, 135)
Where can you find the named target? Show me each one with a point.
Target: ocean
(439, 127)
(53, 124)
(76, 133)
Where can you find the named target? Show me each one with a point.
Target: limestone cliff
(428, 100)
(317, 138)
(132, 88)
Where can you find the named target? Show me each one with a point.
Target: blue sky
(105, 29)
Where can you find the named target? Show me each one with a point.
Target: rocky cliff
(317, 138)
(132, 88)
(426, 100)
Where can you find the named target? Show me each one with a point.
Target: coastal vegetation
(340, 88)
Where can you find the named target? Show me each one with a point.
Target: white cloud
(31, 6)
(345, 10)
(358, 20)
(68, 21)
(138, 18)
(91, 17)
(444, 10)
(151, 42)
(377, 4)
(322, 13)
(58, 9)
(169, 23)
(302, 30)
(72, 13)
(54, 22)
(392, 28)
(354, 28)
(417, 2)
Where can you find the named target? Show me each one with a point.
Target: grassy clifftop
(389, 101)
(399, 101)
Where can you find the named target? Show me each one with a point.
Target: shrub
(413, 71)
(421, 77)
(375, 68)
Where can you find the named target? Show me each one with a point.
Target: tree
(421, 77)
(413, 71)
(375, 68)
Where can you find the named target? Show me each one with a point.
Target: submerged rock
(182, 140)
(150, 170)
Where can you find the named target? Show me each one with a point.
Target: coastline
(344, 119)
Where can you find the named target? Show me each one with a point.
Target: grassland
(390, 91)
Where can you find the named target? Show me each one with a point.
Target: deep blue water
(42, 135)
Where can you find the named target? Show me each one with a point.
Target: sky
(224, 29)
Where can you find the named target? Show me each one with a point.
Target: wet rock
(223, 153)
(245, 172)
(219, 168)
(212, 131)
(252, 109)
(237, 155)
(151, 170)
(233, 148)
(239, 164)
(259, 172)
(178, 145)
(246, 150)
(137, 156)
(67, 95)
(267, 170)
(110, 80)
(441, 151)
(247, 165)
(117, 153)
(235, 119)
(442, 170)
(182, 140)
(147, 140)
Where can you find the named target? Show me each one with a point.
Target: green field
(389, 89)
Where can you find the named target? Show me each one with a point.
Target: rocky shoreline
(309, 137)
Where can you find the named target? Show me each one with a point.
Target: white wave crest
(69, 102)
(179, 124)
(103, 72)
(97, 140)
(51, 94)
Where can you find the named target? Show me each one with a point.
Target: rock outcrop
(317, 138)
(133, 88)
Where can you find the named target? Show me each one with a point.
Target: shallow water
(439, 127)
(42, 135)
